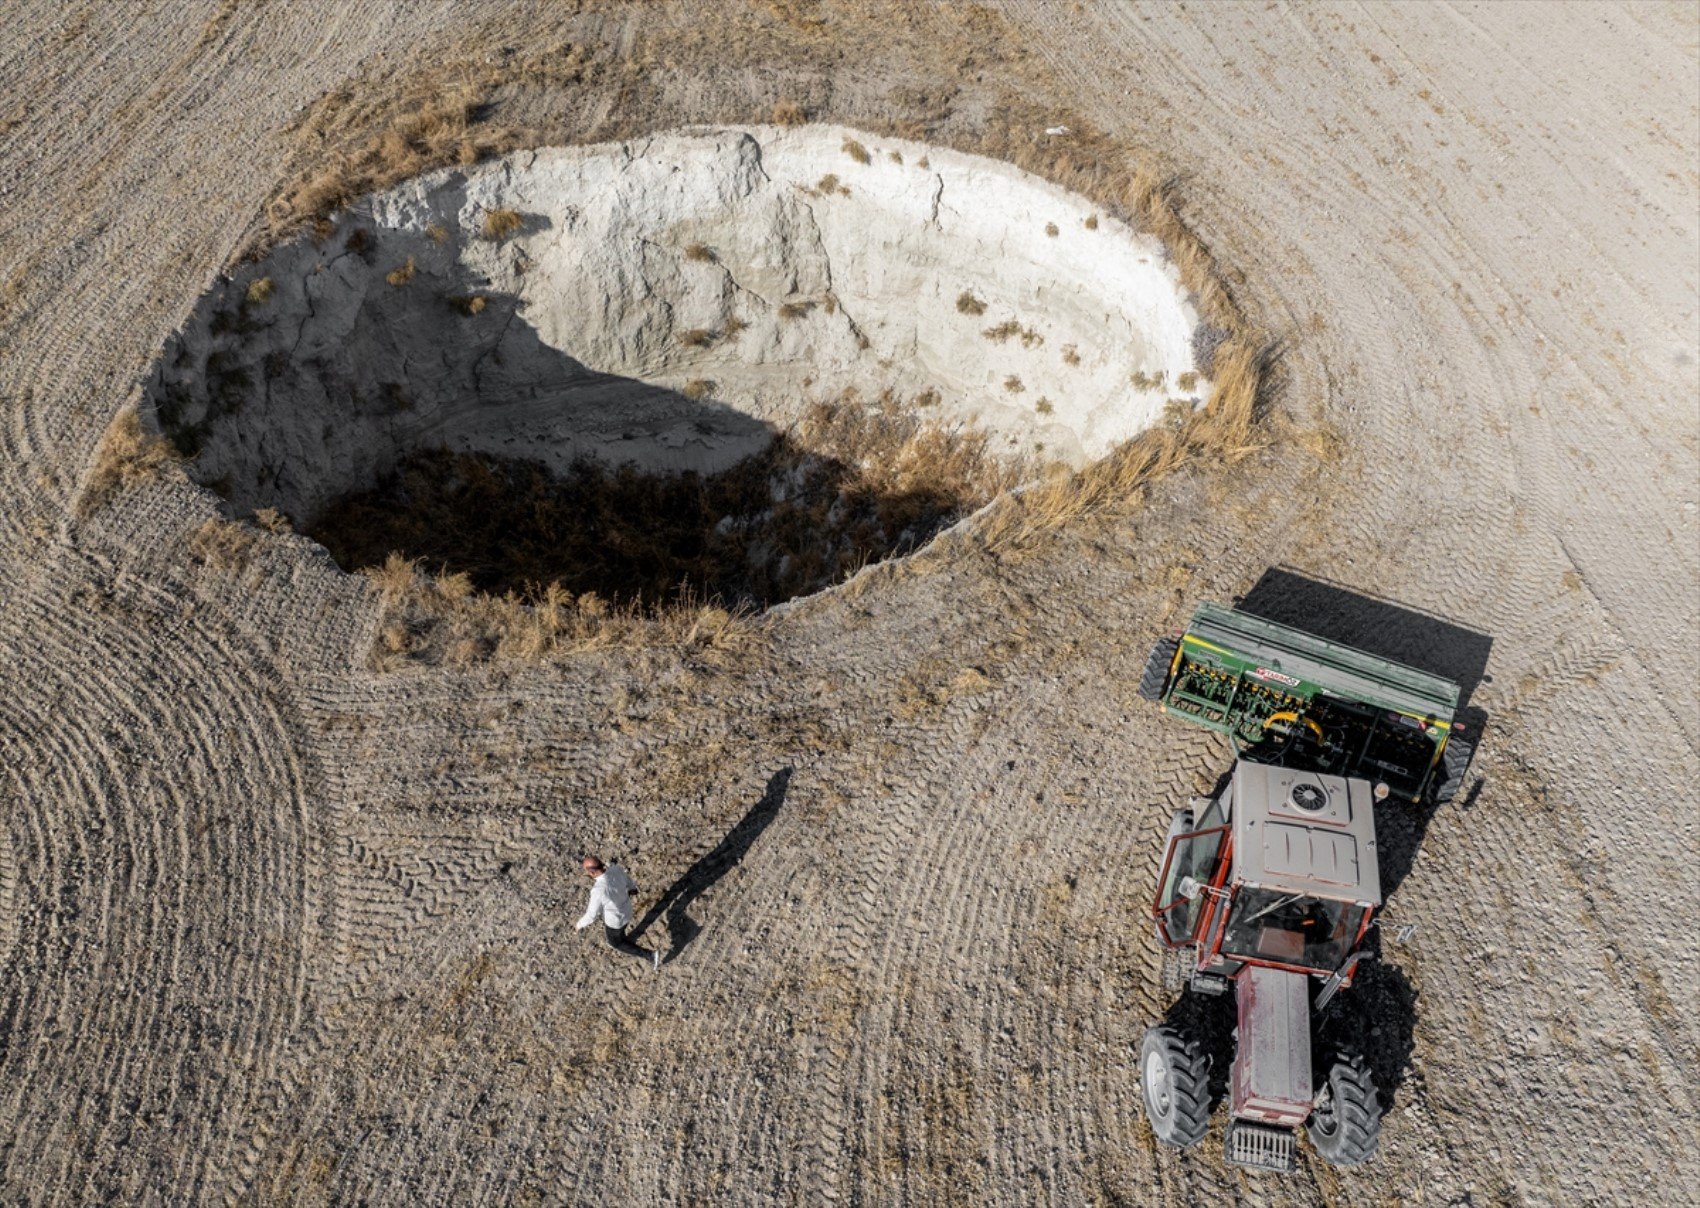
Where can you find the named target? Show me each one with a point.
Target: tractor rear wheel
(1454, 763)
(1174, 1076)
(1345, 1126)
(1156, 675)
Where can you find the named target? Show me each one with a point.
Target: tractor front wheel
(1174, 1076)
(1345, 1126)
(1156, 676)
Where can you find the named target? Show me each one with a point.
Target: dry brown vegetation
(500, 223)
(787, 113)
(1013, 384)
(795, 310)
(126, 455)
(698, 388)
(1148, 381)
(701, 253)
(432, 125)
(1051, 230)
(696, 337)
(223, 544)
(1092, 222)
(444, 619)
(857, 151)
(259, 291)
(402, 275)
(1011, 328)
(968, 304)
(466, 305)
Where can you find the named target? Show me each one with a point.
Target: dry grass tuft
(968, 304)
(1003, 331)
(1092, 222)
(698, 388)
(1043, 406)
(1070, 355)
(126, 455)
(856, 151)
(1013, 384)
(1187, 380)
(259, 291)
(795, 310)
(895, 157)
(402, 275)
(272, 520)
(1051, 230)
(223, 544)
(1148, 381)
(436, 232)
(787, 113)
(500, 223)
(701, 253)
(696, 337)
(829, 184)
(472, 305)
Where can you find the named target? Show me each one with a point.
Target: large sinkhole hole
(738, 363)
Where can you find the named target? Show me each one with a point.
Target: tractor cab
(1278, 870)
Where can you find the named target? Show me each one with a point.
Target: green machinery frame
(1286, 696)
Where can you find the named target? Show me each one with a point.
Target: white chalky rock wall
(579, 333)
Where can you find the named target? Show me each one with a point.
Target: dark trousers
(618, 942)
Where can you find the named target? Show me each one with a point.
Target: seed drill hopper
(1271, 886)
(1286, 697)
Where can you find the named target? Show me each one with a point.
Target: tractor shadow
(1376, 1018)
(701, 876)
(1405, 635)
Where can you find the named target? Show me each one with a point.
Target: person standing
(611, 898)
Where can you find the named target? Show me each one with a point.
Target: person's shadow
(702, 875)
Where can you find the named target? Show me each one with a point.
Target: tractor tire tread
(1357, 1114)
(1189, 1075)
(1156, 674)
(1455, 760)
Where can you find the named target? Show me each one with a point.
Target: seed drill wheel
(1174, 1078)
(1157, 668)
(1454, 763)
(1345, 1126)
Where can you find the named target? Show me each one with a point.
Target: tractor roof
(1341, 671)
(1304, 832)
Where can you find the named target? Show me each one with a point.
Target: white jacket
(610, 896)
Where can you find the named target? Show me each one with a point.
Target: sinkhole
(736, 363)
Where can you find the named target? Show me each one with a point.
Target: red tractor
(1271, 886)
